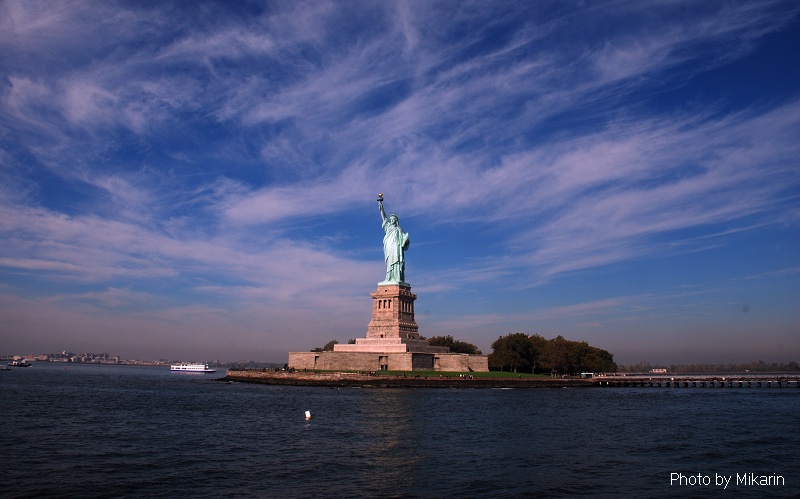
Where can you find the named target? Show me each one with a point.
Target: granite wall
(375, 361)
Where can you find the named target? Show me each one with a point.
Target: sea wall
(395, 381)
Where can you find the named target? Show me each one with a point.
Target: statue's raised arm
(380, 205)
(395, 242)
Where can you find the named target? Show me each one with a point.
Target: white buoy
(308, 415)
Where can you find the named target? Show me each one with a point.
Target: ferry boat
(192, 368)
(19, 363)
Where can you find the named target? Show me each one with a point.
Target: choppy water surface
(123, 431)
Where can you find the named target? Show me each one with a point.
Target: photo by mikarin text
(725, 481)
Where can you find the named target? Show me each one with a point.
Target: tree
(565, 356)
(455, 346)
(539, 342)
(519, 352)
(328, 346)
(599, 360)
(513, 352)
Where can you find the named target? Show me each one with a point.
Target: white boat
(192, 368)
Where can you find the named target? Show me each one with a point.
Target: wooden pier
(700, 381)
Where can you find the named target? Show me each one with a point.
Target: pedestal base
(391, 361)
(392, 342)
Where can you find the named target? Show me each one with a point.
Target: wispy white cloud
(110, 298)
(36, 264)
(622, 207)
(92, 250)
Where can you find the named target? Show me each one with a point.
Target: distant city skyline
(198, 180)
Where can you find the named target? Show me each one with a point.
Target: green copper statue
(395, 242)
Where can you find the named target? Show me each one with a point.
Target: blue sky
(197, 180)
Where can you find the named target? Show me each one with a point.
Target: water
(125, 431)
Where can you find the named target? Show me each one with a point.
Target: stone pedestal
(392, 342)
(392, 328)
(393, 312)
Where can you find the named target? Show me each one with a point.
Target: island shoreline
(331, 380)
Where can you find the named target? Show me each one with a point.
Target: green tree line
(454, 345)
(519, 352)
(329, 346)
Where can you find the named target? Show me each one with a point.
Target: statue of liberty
(395, 242)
